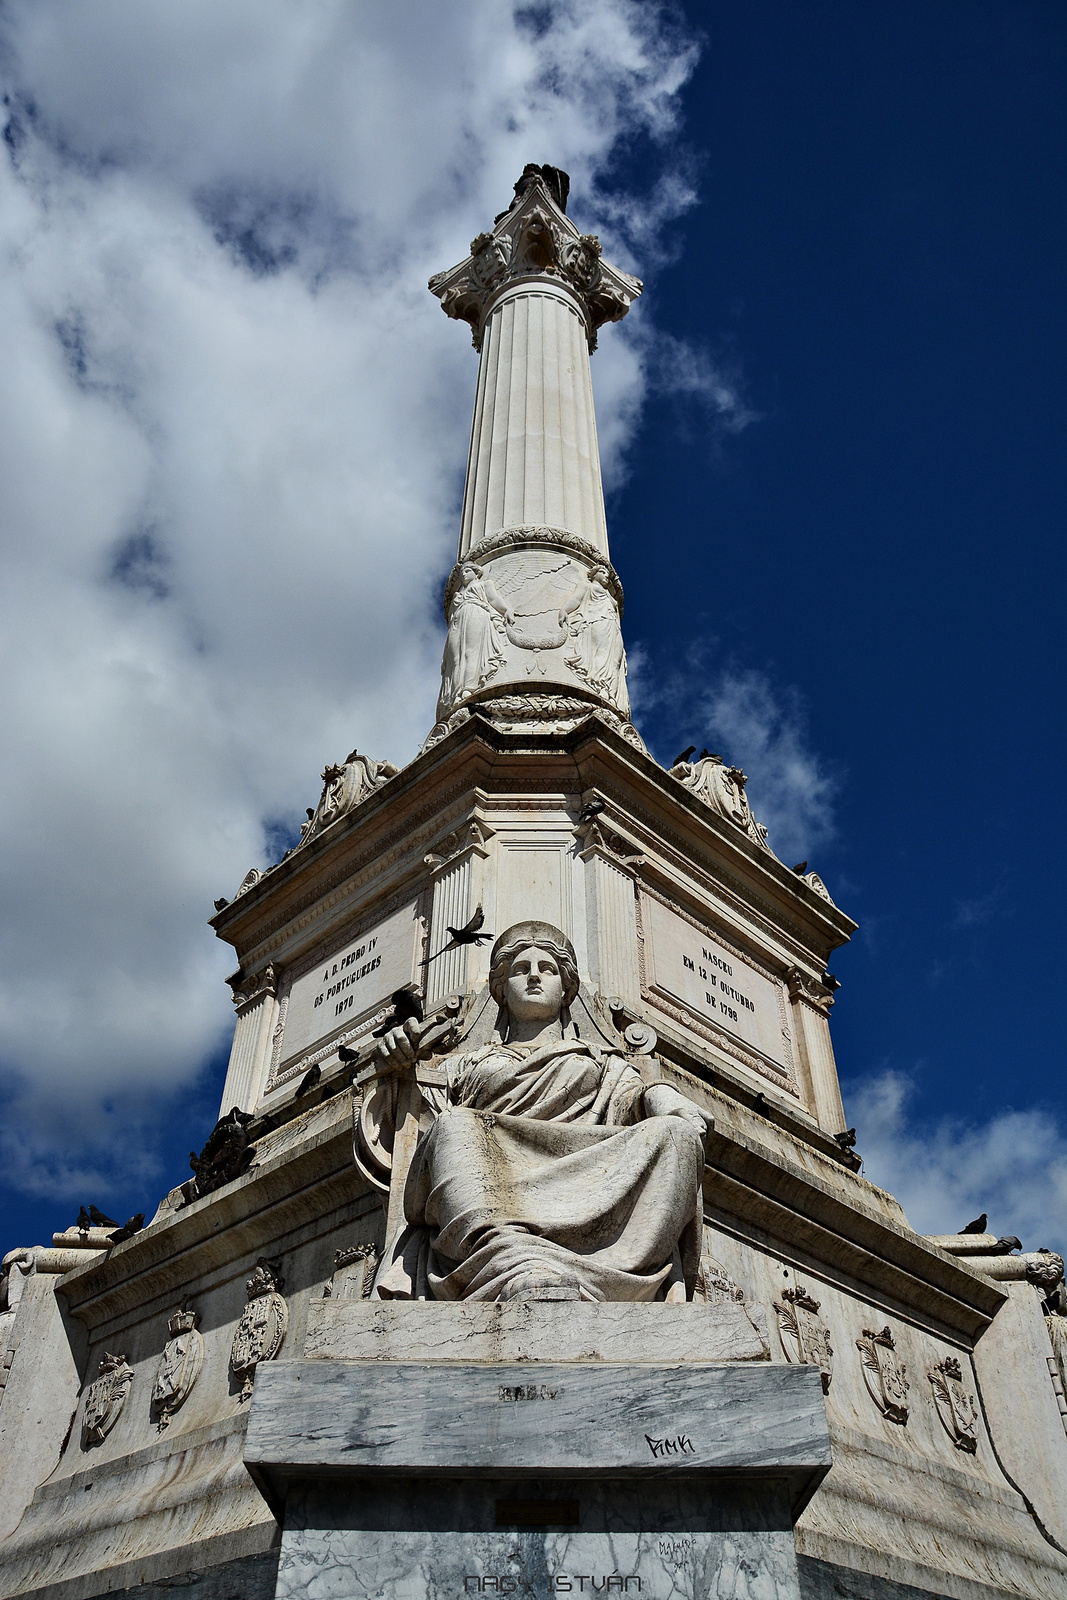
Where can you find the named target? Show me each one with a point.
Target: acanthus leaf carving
(344, 785)
(722, 790)
(535, 238)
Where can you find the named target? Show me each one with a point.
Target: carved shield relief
(105, 1399)
(263, 1325)
(805, 1338)
(884, 1374)
(179, 1366)
(956, 1407)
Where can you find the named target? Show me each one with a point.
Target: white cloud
(756, 725)
(947, 1172)
(232, 431)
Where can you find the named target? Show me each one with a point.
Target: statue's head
(533, 971)
(469, 571)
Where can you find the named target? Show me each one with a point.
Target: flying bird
(977, 1226)
(84, 1220)
(405, 1005)
(846, 1139)
(309, 1080)
(470, 934)
(99, 1220)
(593, 809)
(131, 1226)
(221, 904)
(684, 756)
(801, 866)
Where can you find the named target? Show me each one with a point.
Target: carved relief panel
(262, 1328)
(956, 1406)
(805, 1337)
(523, 617)
(884, 1374)
(105, 1399)
(179, 1366)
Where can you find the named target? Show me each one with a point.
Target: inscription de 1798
(688, 965)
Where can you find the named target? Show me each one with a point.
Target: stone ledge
(561, 1331)
(314, 1419)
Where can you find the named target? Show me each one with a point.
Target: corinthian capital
(535, 239)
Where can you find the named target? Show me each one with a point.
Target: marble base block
(444, 1541)
(403, 1480)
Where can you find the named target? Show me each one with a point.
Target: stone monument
(530, 1254)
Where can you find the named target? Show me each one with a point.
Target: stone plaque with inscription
(701, 981)
(325, 998)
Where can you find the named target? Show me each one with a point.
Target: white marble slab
(514, 1330)
(316, 1418)
(661, 1544)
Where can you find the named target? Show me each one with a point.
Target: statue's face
(534, 989)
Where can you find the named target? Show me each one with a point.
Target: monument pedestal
(412, 1480)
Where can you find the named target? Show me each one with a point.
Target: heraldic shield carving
(957, 1408)
(805, 1338)
(179, 1366)
(105, 1399)
(884, 1374)
(262, 1327)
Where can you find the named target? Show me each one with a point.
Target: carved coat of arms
(105, 1399)
(957, 1408)
(805, 1337)
(884, 1374)
(179, 1366)
(262, 1327)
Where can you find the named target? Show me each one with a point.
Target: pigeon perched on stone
(84, 1221)
(801, 866)
(405, 1005)
(308, 1081)
(1006, 1245)
(846, 1139)
(344, 1054)
(221, 904)
(686, 753)
(131, 1226)
(977, 1226)
(761, 1104)
(99, 1220)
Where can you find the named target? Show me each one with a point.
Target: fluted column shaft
(534, 459)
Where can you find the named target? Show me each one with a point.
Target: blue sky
(833, 441)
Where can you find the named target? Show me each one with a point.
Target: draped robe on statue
(542, 1168)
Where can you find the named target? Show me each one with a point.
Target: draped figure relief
(473, 650)
(546, 1168)
(597, 653)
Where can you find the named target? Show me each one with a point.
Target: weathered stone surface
(509, 1331)
(657, 1540)
(316, 1417)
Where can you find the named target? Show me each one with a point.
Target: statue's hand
(397, 1048)
(661, 1100)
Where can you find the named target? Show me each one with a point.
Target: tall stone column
(534, 604)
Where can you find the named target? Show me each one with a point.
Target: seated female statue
(550, 1170)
